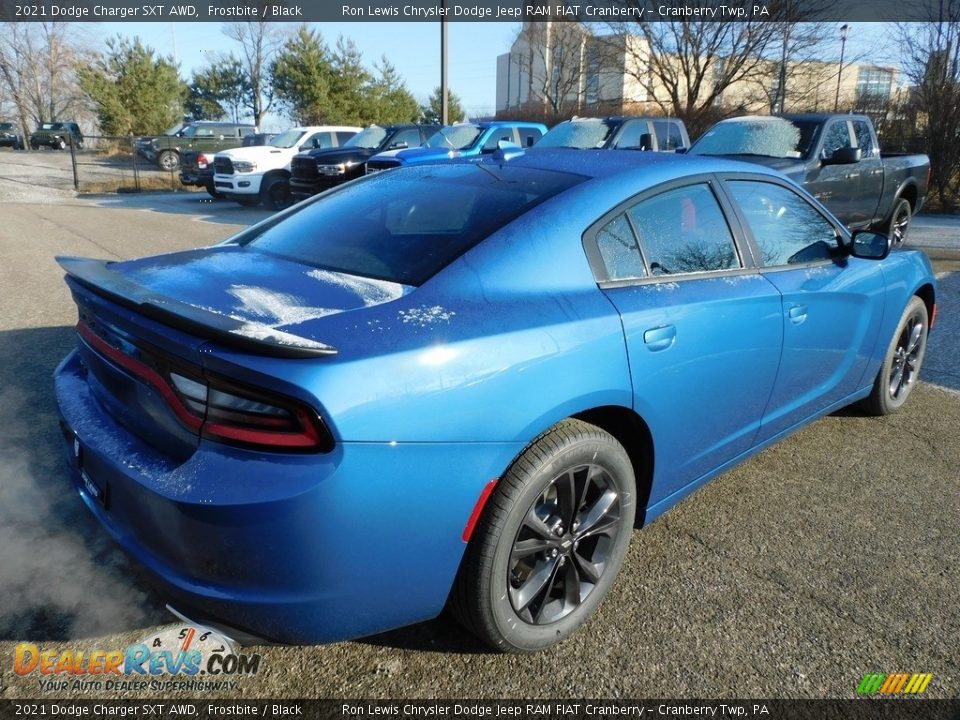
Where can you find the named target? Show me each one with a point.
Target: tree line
(130, 89)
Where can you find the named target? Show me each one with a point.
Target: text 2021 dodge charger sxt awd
(460, 384)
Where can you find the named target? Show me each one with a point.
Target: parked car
(463, 140)
(56, 135)
(618, 133)
(203, 135)
(196, 167)
(9, 137)
(251, 175)
(318, 170)
(143, 145)
(463, 381)
(835, 157)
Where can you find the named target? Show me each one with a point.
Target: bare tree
(550, 59)
(686, 66)
(259, 43)
(38, 71)
(930, 60)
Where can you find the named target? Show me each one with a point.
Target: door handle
(797, 314)
(660, 338)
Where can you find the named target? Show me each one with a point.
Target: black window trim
(744, 249)
(843, 235)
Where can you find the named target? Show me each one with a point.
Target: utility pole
(444, 91)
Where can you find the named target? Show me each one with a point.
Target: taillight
(203, 161)
(221, 409)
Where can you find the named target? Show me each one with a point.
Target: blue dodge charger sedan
(462, 384)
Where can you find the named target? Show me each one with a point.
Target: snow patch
(369, 290)
(424, 316)
(275, 307)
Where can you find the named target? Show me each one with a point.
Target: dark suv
(9, 136)
(317, 170)
(56, 135)
(204, 136)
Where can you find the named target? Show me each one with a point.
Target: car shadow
(198, 205)
(442, 635)
(61, 575)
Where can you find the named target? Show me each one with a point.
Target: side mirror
(844, 156)
(398, 146)
(870, 245)
(646, 142)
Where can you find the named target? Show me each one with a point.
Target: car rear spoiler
(96, 276)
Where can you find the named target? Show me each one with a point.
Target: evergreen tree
(431, 112)
(134, 90)
(301, 77)
(389, 97)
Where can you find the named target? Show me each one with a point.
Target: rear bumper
(293, 548)
(195, 179)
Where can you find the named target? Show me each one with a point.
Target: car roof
(820, 117)
(610, 163)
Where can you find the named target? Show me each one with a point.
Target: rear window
(407, 224)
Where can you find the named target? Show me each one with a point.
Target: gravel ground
(823, 558)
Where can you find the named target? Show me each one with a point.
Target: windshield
(582, 134)
(6, 126)
(766, 136)
(287, 139)
(369, 138)
(456, 137)
(390, 226)
(47, 126)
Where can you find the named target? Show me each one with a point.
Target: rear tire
(168, 160)
(901, 365)
(899, 222)
(550, 542)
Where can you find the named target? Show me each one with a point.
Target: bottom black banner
(863, 709)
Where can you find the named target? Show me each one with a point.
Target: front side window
(322, 140)
(409, 138)
(493, 142)
(684, 231)
(368, 138)
(837, 137)
(631, 134)
(787, 229)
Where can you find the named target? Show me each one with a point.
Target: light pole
(844, 29)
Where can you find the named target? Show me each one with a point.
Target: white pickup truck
(251, 175)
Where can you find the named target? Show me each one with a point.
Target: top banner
(596, 11)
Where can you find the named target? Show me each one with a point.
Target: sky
(414, 48)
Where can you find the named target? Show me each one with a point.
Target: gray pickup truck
(836, 158)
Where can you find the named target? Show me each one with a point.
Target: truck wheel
(550, 541)
(275, 193)
(60, 144)
(900, 222)
(34, 146)
(168, 160)
(213, 192)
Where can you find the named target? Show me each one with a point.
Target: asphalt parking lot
(828, 556)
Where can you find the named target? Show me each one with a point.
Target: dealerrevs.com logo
(895, 684)
(178, 657)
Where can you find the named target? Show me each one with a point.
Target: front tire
(275, 193)
(551, 540)
(213, 192)
(901, 366)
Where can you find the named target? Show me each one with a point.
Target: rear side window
(864, 138)
(684, 231)
(668, 134)
(407, 224)
(529, 136)
(618, 249)
(787, 228)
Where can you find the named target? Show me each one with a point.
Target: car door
(832, 303)
(702, 326)
(833, 185)
(869, 185)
